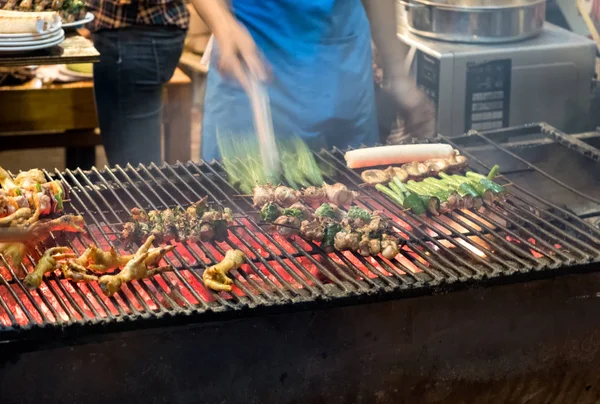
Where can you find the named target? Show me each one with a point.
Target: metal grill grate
(526, 236)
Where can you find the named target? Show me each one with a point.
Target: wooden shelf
(74, 49)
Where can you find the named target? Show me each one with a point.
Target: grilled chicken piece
(389, 246)
(65, 223)
(263, 194)
(346, 240)
(369, 246)
(215, 277)
(313, 230)
(28, 179)
(99, 260)
(339, 194)
(14, 252)
(77, 273)
(287, 226)
(135, 269)
(50, 261)
(42, 5)
(9, 6)
(285, 196)
(314, 196)
(16, 216)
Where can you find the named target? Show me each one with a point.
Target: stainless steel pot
(475, 21)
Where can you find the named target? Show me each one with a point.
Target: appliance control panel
(487, 101)
(428, 75)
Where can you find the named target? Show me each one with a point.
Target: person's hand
(415, 108)
(239, 55)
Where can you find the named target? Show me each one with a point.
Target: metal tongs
(263, 124)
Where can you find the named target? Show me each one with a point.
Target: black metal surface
(534, 342)
(524, 238)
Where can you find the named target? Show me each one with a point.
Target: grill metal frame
(278, 276)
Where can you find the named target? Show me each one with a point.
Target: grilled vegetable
(326, 210)
(329, 241)
(357, 213)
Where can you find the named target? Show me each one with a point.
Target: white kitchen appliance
(544, 79)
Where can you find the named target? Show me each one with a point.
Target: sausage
(397, 154)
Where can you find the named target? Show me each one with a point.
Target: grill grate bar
(213, 296)
(389, 206)
(206, 252)
(171, 303)
(182, 279)
(127, 287)
(130, 287)
(26, 292)
(314, 282)
(525, 233)
(255, 269)
(531, 195)
(263, 260)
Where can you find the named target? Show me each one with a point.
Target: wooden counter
(64, 115)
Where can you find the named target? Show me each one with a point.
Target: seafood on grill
(39, 231)
(215, 277)
(198, 222)
(416, 170)
(356, 230)
(138, 267)
(337, 193)
(28, 196)
(50, 261)
(441, 195)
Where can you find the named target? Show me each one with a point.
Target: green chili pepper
(59, 202)
(493, 172)
(492, 186)
(414, 203)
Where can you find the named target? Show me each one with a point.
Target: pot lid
(480, 3)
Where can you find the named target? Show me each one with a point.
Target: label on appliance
(488, 95)
(428, 75)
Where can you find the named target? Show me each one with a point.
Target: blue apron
(321, 89)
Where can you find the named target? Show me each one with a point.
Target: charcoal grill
(531, 237)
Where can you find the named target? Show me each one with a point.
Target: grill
(525, 238)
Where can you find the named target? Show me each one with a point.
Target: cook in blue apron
(320, 80)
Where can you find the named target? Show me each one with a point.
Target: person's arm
(237, 49)
(392, 51)
(416, 109)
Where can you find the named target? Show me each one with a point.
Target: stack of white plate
(17, 43)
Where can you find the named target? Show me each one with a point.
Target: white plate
(89, 17)
(35, 35)
(24, 42)
(27, 48)
(63, 69)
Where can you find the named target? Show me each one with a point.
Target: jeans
(135, 63)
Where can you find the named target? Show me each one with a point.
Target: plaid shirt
(112, 14)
